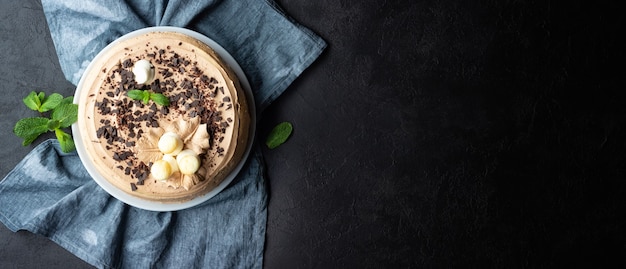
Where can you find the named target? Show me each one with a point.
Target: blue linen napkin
(50, 193)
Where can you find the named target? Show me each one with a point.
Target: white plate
(152, 205)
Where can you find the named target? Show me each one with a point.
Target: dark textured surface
(435, 134)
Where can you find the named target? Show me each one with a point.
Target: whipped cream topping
(143, 71)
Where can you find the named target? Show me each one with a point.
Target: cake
(170, 150)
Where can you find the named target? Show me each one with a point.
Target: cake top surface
(207, 109)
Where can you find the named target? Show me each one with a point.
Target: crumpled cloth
(50, 193)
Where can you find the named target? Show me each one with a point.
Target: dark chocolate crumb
(127, 63)
(133, 187)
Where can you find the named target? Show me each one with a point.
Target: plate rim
(155, 205)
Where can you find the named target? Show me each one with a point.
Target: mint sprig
(42, 103)
(279, 135)
(63, 113)
(145, 96)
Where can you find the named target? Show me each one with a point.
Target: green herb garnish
(145, 96)
(63, 113)
(42, 103)
(279, 135)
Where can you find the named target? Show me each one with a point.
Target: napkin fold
(50, 193)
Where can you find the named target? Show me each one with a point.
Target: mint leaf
(146, 98)
(66, 114)
(51, 102)
(141, 95)
(65, 140)
(279, 135)
(30, 128)
(160, 99)
(136, 94)
(67, 100)
(53, 124)
(32, 101)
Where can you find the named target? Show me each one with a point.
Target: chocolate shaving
(127, 63)
(164, 110)
(121, 156)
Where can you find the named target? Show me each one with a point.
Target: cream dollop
(172, 161)
(161, 170)
(144, 71)
(170, 143)
(188, 162)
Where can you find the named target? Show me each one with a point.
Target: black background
(429, 134)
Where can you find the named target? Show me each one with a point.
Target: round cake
(162, 117)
